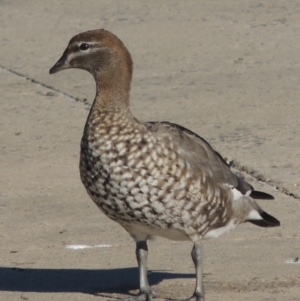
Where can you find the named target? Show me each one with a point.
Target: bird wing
(202, 158)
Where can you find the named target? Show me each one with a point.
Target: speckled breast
(136, 177)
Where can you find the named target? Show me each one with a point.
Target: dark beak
(61, 64)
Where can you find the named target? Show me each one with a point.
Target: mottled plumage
(153, 178)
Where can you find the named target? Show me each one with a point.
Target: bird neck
(112, 90)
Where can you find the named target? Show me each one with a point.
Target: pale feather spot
(178, 172)
(154, 155)
(134, 205)
(127, 175)
(131, 155)
(173, 156)
(139, 198)
(115, 185)
(158, 207)
(130, 184)
(153, 191)
(143, 172)
(165, 152)
(199, 207)
(137, 154)
(124, 183)
(131, 162)
(120, 203)
(151, 181)
(122, 151)
(145, 209)
(139, 164)
(201, 219)
(186, 218)
(155, 173)
(142, 182)
(212, 212)
(214, 220)
(180, 194)
(177, 226)
(159, 162)
(101, 191)
(145, 189)
(168, 198)
(147, 160)
(188, 206)
(117, 169)
(96, 152)
(151, 165)
(138, 214)
(113, 190)
(165, 186)
(114, 164)
(114, 130)
(165, 169)
(138, 179)
(204, 226)
(180, 185)
(171, 205)
(153, 198)
(124, 190)
(160, 193)
(149, 215)
(135, 190)
(171, 181)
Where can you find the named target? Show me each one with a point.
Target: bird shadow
(86, 281)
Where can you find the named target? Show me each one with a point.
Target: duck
(153, 178)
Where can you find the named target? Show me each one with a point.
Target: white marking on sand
(293, 261)
(81, 247)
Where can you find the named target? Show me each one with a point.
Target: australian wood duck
(153, 178)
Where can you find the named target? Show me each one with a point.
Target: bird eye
(84, 46)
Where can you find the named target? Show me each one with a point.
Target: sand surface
(228, 70)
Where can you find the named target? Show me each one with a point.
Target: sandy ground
(228, 70)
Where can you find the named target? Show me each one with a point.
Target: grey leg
(141, 256)
(197, 256)
(146, 293)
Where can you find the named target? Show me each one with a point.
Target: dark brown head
(99, 52)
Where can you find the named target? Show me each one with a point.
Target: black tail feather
(261, 195)
(267, 221)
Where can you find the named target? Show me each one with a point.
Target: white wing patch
(220, 231)
(172, 234)
(254, 215)
(237, 194)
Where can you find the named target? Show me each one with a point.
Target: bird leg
(197, 256)
(146, 293)
(141, 255)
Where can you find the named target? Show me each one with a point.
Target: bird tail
(266, 221)
(261, 195)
